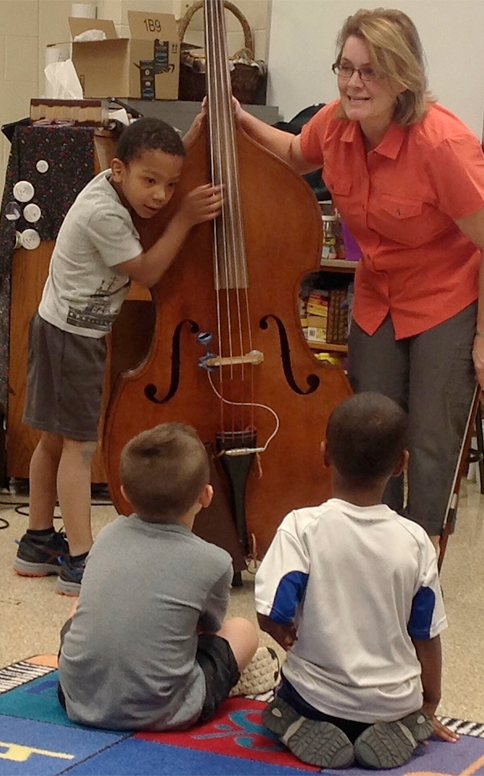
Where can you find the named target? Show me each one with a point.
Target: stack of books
(324, 317)
(337, 328)
(316, 318)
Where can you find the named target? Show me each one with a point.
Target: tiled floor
(31, 614)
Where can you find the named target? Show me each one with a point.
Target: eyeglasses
(347, 70)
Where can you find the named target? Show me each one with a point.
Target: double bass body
(282, 235)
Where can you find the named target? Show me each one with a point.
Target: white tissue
(61, 81)
(90, 35)
(120, 114)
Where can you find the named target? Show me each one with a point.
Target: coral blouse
(400, 200)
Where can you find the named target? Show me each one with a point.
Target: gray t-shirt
(83, 292)
(128, 660)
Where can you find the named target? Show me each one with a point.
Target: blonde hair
(164, 471)
(395, 53)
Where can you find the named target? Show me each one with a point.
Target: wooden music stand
(463, 460)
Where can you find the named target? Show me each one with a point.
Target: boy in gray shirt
(148, 646)
(97, 254)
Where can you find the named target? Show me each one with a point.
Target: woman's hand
(478, 357)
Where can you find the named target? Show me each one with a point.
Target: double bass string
(229, 250)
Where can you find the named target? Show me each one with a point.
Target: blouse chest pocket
(399, 219)
(401, 208)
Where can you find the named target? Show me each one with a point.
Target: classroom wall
(296, 37)
(302, 49)
(27, 26)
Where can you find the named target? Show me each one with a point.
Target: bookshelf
(333, 278)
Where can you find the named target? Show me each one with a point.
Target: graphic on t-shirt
(97, 312)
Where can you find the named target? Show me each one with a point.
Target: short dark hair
(163, 471)
(365, 436)
(148, 134)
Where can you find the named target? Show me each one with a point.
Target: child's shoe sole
(311, 741)
(420, 725)
(260, 676)
(25, 568)
(385, 745)
(64, 587)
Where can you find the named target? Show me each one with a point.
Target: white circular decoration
(23, 191)
(32, 213)
(30, 239)
(42, 165)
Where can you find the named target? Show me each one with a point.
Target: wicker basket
(248, 76)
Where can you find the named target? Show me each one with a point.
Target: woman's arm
(283, 144)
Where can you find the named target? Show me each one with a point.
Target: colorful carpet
(37, 739)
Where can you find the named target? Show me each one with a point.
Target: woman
(408, 179)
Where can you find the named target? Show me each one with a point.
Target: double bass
(228, 355)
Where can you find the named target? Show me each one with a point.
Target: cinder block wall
(28, 26)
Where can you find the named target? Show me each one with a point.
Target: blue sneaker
(70, 576)
(40, 556)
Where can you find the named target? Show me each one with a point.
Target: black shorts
(217, 661)
(64, 381)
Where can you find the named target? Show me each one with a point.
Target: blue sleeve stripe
(423, 606)
(289, 594)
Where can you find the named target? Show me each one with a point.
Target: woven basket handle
(185, 21)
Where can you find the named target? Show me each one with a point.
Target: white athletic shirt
(359, 583)
(83, 293)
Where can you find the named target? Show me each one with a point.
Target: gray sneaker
(312, 741)
(419, 724)
(385, 745)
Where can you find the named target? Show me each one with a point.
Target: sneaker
(313, 741)
(260, 676)
(40, 556)
(385, 745)
(70, 576)
(420, 725)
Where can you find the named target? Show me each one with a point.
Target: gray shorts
(65, 379)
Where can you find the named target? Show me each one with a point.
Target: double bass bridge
(253, 358)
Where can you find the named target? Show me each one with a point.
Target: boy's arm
(281, 580)
(429, 654)
(216, 605)
(285, 635)
(202, 204)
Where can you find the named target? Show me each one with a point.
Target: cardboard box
(144, 66)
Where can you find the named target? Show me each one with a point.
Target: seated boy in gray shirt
(148, 646)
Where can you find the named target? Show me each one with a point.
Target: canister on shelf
(331, 236)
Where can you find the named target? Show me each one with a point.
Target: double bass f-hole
(151, 390)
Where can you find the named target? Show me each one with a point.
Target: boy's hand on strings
(201, 204)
